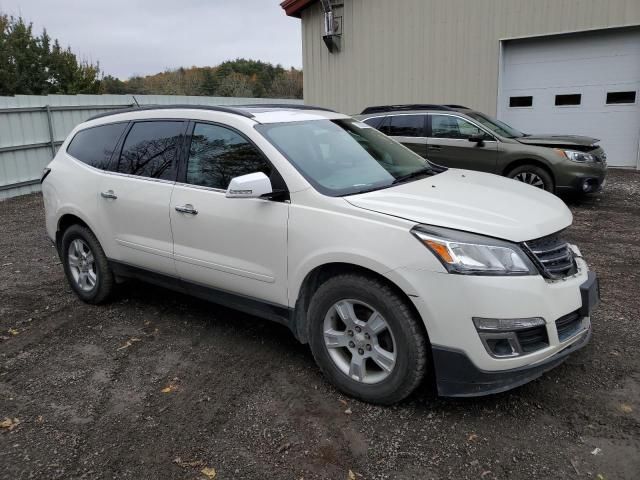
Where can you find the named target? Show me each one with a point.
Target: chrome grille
(552, 256)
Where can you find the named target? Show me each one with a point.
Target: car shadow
(193, 313)
(581, 200)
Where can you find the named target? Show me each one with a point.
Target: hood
(474, 202)
(558, 140)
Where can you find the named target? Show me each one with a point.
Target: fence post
(51, 137)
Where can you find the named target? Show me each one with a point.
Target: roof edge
(293, 8)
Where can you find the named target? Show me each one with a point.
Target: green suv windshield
(344, 157)
(495, 125)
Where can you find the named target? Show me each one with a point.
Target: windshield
(495, 125)
(344, 157)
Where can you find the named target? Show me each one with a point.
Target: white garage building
(544, 66)
(583, 83)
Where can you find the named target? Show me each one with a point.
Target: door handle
(108, 194)
(188, 208)
(434, 147)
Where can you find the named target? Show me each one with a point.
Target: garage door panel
(591, 71)
(589, 64)
(559, 48)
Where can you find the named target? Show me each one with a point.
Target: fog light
(501, 347)
(589, 185)
(504, 337)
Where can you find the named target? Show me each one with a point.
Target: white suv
(307, 217)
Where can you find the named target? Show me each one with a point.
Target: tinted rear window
(151, 150)
(407, 126)
(374, 121)
(94, 146)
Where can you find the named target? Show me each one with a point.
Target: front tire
(86, 265)
(366, 339)
(534, 176)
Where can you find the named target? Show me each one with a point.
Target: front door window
(218, 154)
(447, 126)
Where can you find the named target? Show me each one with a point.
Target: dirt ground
(160, 385)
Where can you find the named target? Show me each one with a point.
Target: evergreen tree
(29, 64)
(39, 65)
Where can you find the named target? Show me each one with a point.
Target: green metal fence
(33, 127)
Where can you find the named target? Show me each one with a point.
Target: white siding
(434, 50)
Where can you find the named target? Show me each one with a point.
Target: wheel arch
(529, 161)
(320, 274)
(65, 221)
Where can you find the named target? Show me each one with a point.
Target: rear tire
(534, 176)
(86, 265)
(366, 339)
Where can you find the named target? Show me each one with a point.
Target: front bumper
(447, 304)
(586, 179)
(457, 376)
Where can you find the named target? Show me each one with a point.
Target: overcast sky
(138, 37)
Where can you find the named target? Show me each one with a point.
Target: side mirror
(477, 138)
(253, 185)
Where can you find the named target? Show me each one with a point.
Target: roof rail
(416, 106)
(450, 105)
(215, 108)
(291, 106)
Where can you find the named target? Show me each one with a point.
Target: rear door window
(384, 125)
(151, 150)
(374, 122)
(94, 146)
(406, 126)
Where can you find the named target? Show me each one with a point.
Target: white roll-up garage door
(582, 84)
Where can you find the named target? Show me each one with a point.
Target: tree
(209, 84)
(39, 65)
(30, 65)
(235, 85)
(109, 84)
(240, 77)
(287, 85)
(68, 76)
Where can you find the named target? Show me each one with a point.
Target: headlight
(575, 156)
(471, 254)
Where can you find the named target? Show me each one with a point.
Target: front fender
(326, 257)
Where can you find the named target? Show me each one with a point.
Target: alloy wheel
(82, 265)
(359, 341)
(530, 178)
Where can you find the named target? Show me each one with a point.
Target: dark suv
(458, 137)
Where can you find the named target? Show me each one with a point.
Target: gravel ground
(160, 385)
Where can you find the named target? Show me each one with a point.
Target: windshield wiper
(417, 173)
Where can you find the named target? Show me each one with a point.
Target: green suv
(458, 137)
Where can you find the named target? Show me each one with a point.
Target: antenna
(136, 101)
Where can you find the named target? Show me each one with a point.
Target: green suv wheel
(534, 176)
